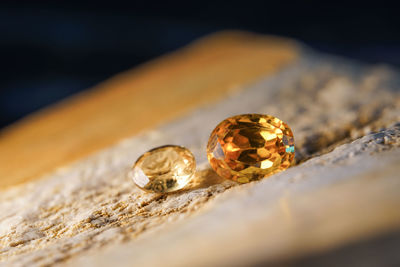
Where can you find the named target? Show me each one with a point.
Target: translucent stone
(249, 147)
(164, 169)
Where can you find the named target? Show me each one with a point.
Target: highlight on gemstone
(249, 147)
(164, 169)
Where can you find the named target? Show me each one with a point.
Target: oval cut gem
(164, 169)
(249, 147)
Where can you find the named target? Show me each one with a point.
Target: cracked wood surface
(340, 191)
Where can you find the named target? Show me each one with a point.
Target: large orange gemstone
(249, 147)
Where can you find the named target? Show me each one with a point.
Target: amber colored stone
(249, 147)
(164, 169)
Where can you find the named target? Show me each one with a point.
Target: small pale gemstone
(164, 169)
(249, 147)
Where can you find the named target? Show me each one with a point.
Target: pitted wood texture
(139, 99)
(76, 213)
(345, 196)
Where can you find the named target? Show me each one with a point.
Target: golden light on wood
(138, 99)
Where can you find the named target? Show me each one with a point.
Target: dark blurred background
(51, 49)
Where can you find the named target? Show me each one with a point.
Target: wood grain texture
(344, 189)
(305, 210)
(136, 100)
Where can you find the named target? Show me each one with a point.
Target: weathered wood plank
(138, 99)
(343, 196)
(338, 196)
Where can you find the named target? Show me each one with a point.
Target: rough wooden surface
(293, 213)
(138, 99)
(341, 191)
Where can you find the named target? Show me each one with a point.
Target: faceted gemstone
(164, 169)
(249, 147)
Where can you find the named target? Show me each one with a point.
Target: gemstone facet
(164, 169)
(249, 147)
